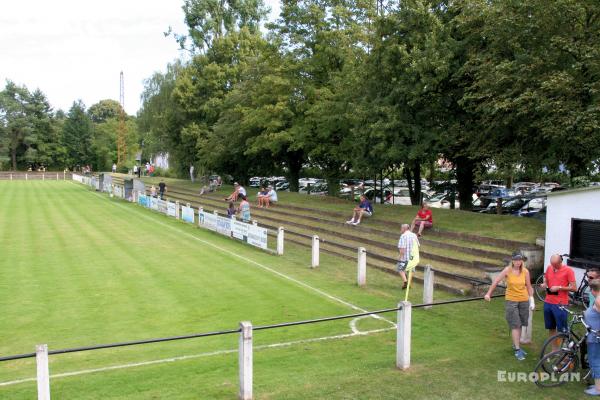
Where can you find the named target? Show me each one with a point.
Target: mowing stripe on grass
(192, 356)
(143, 214)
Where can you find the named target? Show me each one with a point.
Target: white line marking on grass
(282, 275)
(193, 356)
(355, 321)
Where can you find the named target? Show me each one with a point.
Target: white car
(255, 181)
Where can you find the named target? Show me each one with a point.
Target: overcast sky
(75, 49)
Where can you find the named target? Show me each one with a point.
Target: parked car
(316, 189)
(442, 200)
(503, 193)
(484, 189)
(532, 207)
(509, 206)
(282, 186)
(524, 187)
(480, 203)
(255, 181)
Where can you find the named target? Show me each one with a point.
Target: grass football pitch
(78, 268)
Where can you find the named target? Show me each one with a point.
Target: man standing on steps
(162, 188)
(408, 249)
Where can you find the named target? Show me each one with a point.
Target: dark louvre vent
(585, 242)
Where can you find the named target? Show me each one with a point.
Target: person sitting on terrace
(271, 196)
(263, 197)
(423, 219)
(364, 208)
(237, 192)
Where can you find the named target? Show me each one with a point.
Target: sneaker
(519, 354)
(404, 285)
(355, 223)
(592, 391)
(515, 349)
(350, 221)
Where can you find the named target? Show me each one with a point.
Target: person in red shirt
(559, 280)
(424, 219)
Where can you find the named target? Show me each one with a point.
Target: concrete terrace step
(489, 251)
(466, 269)
(353, 233)
(459, 267)
(502, 243)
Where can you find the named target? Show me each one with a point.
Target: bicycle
(558, 367)
(564, 337)
(579, 297)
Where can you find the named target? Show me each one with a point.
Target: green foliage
(105, 110)
(29, 135)
(77, 136)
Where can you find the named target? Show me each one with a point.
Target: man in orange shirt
(559, 280)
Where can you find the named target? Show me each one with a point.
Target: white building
(573, 227)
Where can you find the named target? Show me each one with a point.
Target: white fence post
(315, 251)
(403, 332)
(177, 210)
(57, 176)
(245, 361)
(362, 266)
(43, 176)
(64, 175)
(11, 177)
(280, 234)
(527, 331)
(428, 286)
(26, 177)
(43, 372)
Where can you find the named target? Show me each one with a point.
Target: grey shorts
(401, 266)
(517, 313)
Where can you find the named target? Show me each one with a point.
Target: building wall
(561, 207)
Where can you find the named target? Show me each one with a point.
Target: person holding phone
(559, 280)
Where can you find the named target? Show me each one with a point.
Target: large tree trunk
(413, 178)
(333, 185)
(294, 164)
(464, 177)
(417, 196)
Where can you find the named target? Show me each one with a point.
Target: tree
(77, 135)
(104, 110)
(17, 127)
(536, 79)
(322, 42)
(211, 20)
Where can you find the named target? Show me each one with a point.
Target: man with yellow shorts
(408, 249)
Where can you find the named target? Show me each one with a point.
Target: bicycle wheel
(539, 292)
(560, 364)
(583, 295)
(562, 342)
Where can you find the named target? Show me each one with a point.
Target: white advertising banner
(187, 214)
(162, 206)
(154, 203)
(239, 230)
(207, 220)
(257, 236)
(171, 209)
(224, 226)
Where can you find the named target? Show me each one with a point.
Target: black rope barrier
(231, 331)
